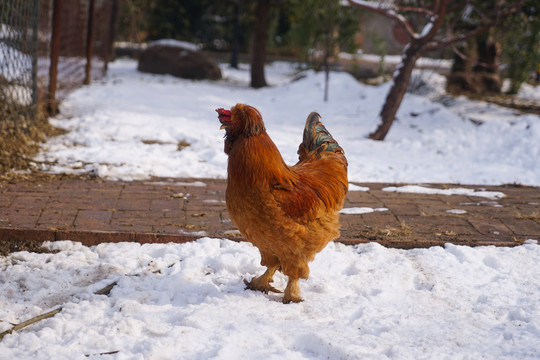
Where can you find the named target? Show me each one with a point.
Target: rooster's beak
(224, 117)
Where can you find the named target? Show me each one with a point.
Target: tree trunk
(397, 91)
(258, 43)
(236, 33)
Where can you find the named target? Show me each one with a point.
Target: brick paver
(163, 210)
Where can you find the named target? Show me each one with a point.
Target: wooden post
(89, 43)
(52, 107)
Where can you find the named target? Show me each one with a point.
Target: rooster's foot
(292, 292)
(258, 285)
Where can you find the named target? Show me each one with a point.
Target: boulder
(179, 59)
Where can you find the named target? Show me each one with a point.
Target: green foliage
(380, 48)
(185, 20)
(133, 21)
(520, 45)
(279, 26)
(199, 21)
(324, 25)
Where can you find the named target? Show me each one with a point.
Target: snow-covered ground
(130, 127)
(187, 301)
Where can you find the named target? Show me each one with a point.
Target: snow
(187, 301)
(360, 210)
(417, 189)
(353, 187)
(177, 183)
(422, 62)
(175, 43)
(457, 211)
(129, 127)
(14, 65)
(426, 29)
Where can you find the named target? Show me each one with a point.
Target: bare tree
(461, 19)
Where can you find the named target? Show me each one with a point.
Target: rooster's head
(224, 117)
(241, 120)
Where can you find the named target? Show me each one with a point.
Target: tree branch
(437, 20)
(438, 44)
(105, 291)
(420, 10)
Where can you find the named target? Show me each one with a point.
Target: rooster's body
(289, 213)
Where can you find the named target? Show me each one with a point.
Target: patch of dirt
(182, 145)
(34, 176)
(14, 245)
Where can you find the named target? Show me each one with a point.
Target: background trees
(322, 28)
(520, 39)
(316, 30)
(441, 23)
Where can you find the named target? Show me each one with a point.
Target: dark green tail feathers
(316, 137)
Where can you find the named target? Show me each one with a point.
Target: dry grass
(37, 177)
(534, 216)
(446, 233)
(388, 232)
(20, 143)
(179, 147)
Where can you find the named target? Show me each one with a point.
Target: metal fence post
(89, 43)
(55, 53)
(35, 29)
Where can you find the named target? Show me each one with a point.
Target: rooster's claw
(265, 288)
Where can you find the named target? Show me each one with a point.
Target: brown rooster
(289, 213)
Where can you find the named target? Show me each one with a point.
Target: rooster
(289, 213)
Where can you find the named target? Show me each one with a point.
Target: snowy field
(132, 125)
(187, 301)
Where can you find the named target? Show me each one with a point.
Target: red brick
(127, 211)
(93, 218)
(490, 226)
(523, 226)
(133, 204)
(25, 234)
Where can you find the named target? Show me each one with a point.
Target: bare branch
(420, 10)
(437, 20)
(466, 58)
(105, 291)
(31, 321)
(438, 44)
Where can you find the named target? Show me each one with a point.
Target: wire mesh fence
(18, 88)
(47, 49)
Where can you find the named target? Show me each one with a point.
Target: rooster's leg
(292, 291)
(262, 283)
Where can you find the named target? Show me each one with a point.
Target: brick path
(179, 210)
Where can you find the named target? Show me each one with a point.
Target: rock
(179, 59)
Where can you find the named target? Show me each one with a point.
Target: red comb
(223, 112)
